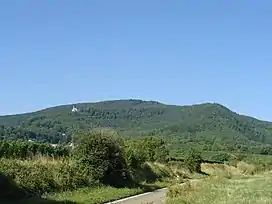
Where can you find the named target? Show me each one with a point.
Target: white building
(74, 109)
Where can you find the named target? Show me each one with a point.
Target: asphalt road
(155, 197)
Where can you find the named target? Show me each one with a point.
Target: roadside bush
(134, 157)
(41, 177)
(99, 157)
(178, 190)
(193, 161)
(69, 176)
(34, 178)
(100, 154)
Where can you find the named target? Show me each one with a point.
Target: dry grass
(254, 189)
(226, 185)
(248, 169)
(222, 170)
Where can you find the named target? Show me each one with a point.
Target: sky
(55, 52)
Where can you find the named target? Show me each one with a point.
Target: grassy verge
(103, 194)
(226, 185)
(254, 189)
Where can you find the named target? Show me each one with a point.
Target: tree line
(21, 149)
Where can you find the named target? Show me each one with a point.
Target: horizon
(178, 53)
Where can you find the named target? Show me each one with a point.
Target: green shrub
(69, 176)
(221, 157)
(99, 157)
(178, 190)
(24, 149)
(193, 161)
(34, 177)
(42, 177)
(144, 173)
(134, 157)
(100, 154)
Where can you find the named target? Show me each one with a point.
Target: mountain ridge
(124, 100)
(199, 125)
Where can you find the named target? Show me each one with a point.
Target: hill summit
(208, 126)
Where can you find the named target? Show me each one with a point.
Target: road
(154, 197)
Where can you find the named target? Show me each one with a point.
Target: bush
(35, 177)
(101, 156)
(134, 157)
(221, 157)
(193, 161)
(149, 149)
(24, 149)
(178, 190)
(41, 177)
(69, 176)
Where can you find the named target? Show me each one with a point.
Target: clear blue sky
(178, 52)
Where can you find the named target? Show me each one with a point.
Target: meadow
(242, 183)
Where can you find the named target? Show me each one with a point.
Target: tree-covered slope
(211, 126)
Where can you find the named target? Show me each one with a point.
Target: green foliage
(206, 127)
(193, 161)
(25, 149)
(177, 191)
(221, 157)
(70, 176)
(35, 177)
(145, 149)
(151, 149)
(155, 148)
(44, 176)
(101, 156)
(134, 155)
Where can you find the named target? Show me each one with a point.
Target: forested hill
(208, 126)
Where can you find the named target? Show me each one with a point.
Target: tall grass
(44, 175)
(243, 184)
(250, 190)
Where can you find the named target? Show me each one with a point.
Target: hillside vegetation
(208, 127)
(101, 165)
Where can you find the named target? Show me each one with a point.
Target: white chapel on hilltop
(74, 109)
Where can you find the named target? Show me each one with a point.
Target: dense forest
(208, 127)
